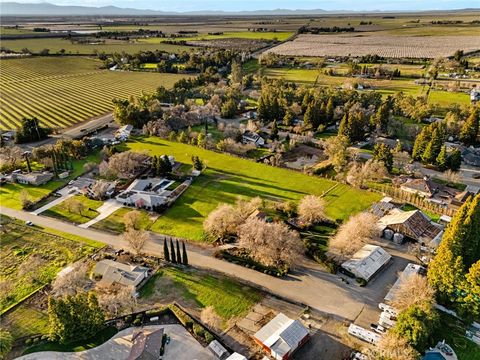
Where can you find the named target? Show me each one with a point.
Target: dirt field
(383, 45)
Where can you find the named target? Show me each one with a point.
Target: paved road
(308, 284)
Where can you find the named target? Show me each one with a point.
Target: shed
(218, 350)
(282, 336)
(366, 262)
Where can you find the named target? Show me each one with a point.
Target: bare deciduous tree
(124, 164)
(222, 222)
(132, 219)
(336, 148)
(272, 244)
(452, 176)
(72, 282)
(136, 239)
(311, 210)
(117, 299)
(99, 189)
(413, 289)
(372, 170)
(74, 206)
(25, 199)
(393, 347)
(352, 235)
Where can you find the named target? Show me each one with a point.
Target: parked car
(29, 223)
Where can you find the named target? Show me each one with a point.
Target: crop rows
(382, 45)
(61, 97)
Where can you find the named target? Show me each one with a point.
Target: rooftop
(120, 273)
(367, 261)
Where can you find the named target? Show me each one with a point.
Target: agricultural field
(72, 48)
(386, 87)
(390, 46)
(198, 290)
(62, 91)
(250, 35)
(31, 258)
(228, 177)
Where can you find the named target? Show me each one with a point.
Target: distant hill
(46, 9)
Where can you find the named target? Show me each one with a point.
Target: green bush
(137, 322)
(186, 320)
(28, 341)
(128, 318)
(45, 337)
(208, 337)
(198, 330)
(36, 340)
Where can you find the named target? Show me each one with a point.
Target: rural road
(308, 283)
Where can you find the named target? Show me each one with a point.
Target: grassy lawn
(25, 321)
(453, 332)
(100, 338)
(30, 258)
(227, 297)
(116, 223)
(431, 215)
(61, 211)
(227, 177)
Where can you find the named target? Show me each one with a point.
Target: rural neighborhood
(235, 182)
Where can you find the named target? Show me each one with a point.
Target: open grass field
(57, 44)
(249, 35)
(228, 177)
(391, 46)
(62, 212)
(25, 320)
(10, 193)
(116, 223)
(227, 297)
(30, 258)
(386, 87)
(62, 91)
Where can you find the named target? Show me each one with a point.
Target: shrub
(198, 330)
(137, 322)
(28, 341)
(128, 318)
(208, 337)
(182, 317)
(36, 340)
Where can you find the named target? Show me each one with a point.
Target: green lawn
(61, 211)
(25, 321)
(227, 177)
(116, 223)
(227, 297)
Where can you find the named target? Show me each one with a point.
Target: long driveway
(308, 284)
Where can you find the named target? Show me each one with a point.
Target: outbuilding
(367, 262)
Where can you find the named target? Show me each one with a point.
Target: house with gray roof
(114, 272)
(146, 345)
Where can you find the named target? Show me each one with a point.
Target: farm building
(119, 273)
(414, 225)
(383, 207)
(146, 345)
(236, 356)
(367, 262)
(409, 270)
(281, 336)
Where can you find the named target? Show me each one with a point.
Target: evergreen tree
(179, 254)
(421, 142)
(454, 160)
(470, 129)
(471, 290)
(6, 342)
(382, 152)
(380, 119)
(344, 127)
(172, 252)
(442, 159)
(166, 255)
(184, 254)
(471, 236)
(433, 147)
(330, 110)
(288, 118)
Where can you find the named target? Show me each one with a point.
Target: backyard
(64, 211)
(199, 290)
(227, 177)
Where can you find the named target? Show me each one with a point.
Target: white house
(119, 273)
(250, 137)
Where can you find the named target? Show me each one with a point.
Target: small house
(422, 187)
(146, 345)
(114, 272)
(367, 262)
(32, 178)
(281, 336)
(218, 350)
(250, 137)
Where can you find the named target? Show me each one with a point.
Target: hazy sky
(236, 5)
